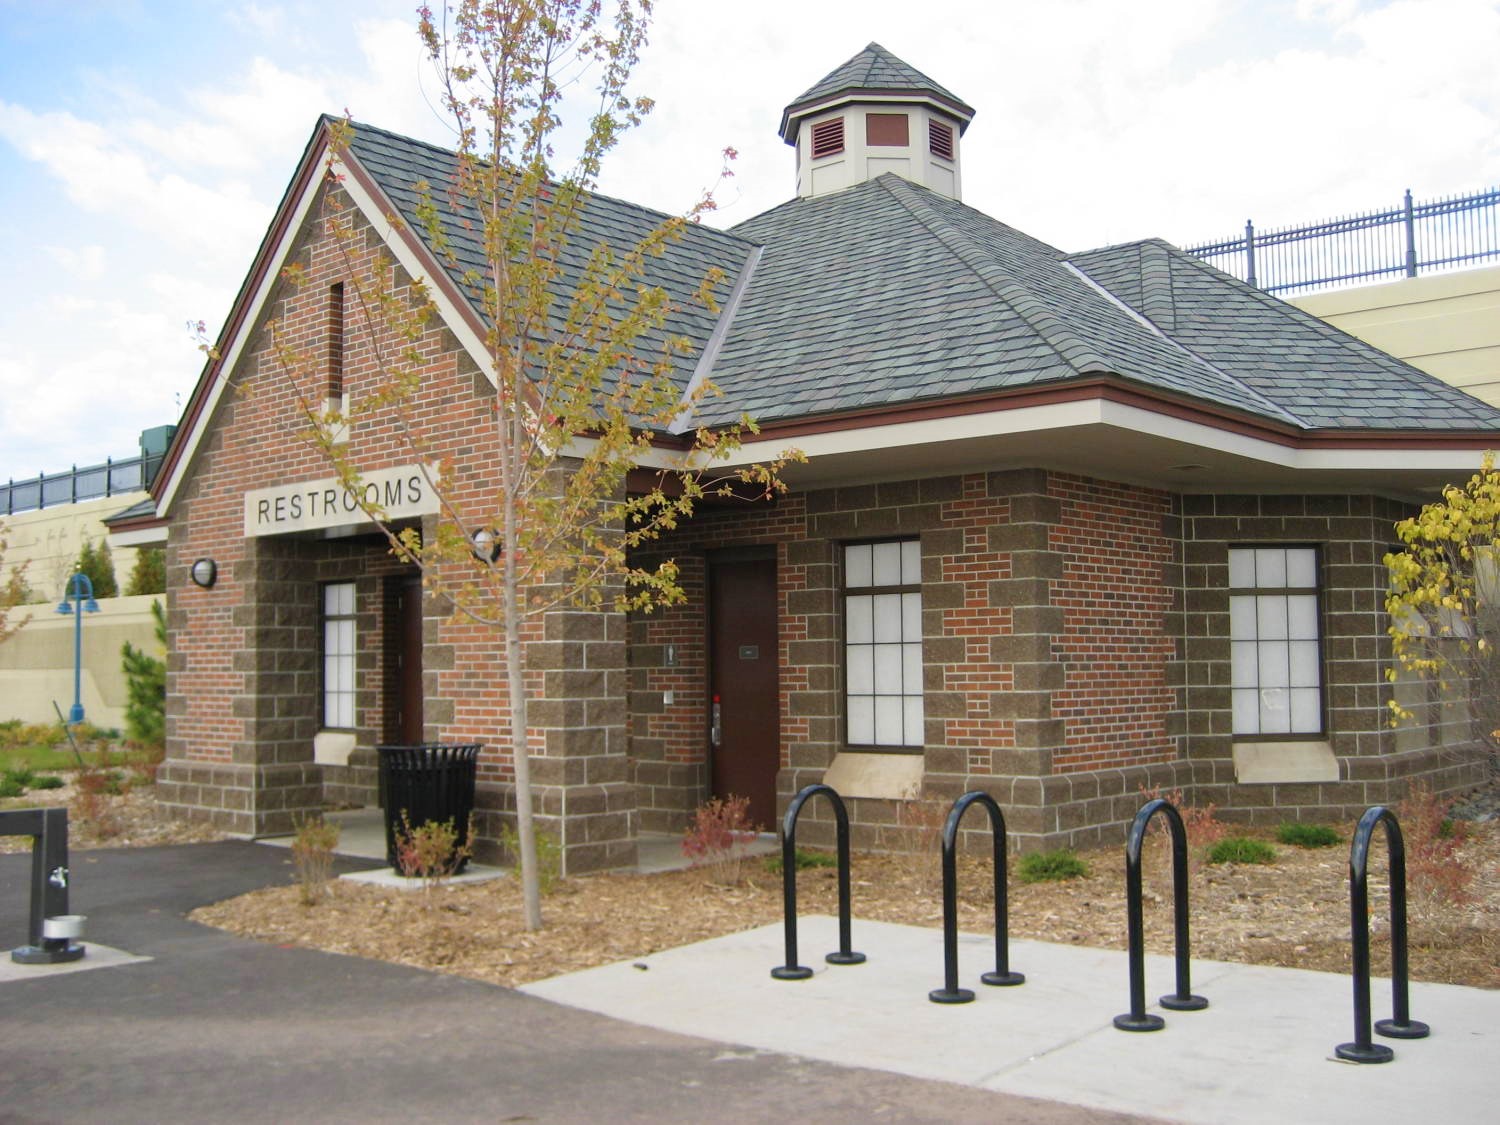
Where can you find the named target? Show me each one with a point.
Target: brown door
(408, 632)
(745, 749)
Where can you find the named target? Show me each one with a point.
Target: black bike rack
(950, 993)
(1401, 1026)
(48, 829)
(845, 955)
(1183, 999)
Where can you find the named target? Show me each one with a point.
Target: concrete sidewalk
(1261, 1052)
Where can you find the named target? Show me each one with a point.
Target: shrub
(20, 775)
(1301, 835)
(149, 576)
(146, 687)
(431, 851)
(312, 851)
(1241, 849)
(47, 781)
(548, 855)
(804, 860)
(100, 568)
(1203, 829)
(1437, 868)
(9, 787)
(1050, 867)
(717, 838)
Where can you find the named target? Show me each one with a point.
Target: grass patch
(1300, 835)
(1241, 849)
(1050, 867)
(805, 859)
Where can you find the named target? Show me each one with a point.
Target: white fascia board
(403, 253)
(141, 537)
(1100, 412)
(452, 316)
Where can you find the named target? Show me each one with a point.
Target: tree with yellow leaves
(1444, 602)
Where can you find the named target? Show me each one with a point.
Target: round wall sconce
(205, 572)
(486, 545)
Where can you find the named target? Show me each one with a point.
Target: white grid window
(338, 655)
(883, 644)
(1276, 676)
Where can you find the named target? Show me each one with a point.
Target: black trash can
(429, 782)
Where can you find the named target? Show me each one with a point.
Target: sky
(145, 144)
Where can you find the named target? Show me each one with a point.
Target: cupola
(872, 115)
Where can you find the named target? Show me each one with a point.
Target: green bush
(10, 788)
(1241, 849)
(150, 573)
(146, 687)
(1047, 867)
(21, 775)
(1307, 835)
(47, 781)
(100, 568)
(805, 860)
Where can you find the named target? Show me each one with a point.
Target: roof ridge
(1156, 330)
(1071, 348)
(1345, 340)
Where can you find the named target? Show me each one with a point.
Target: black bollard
(845, 955)
(1401, 1025)
(1183, 999)
(950, 993)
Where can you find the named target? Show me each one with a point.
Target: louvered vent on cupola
(940, 139)
(828, 137)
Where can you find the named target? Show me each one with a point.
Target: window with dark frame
(338, 655)
(887, 130)
(336, 343)
(940, 139)
(1276, 679)
(883, 645)
(828, 137)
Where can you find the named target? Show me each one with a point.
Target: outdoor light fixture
(205, 572)
(486, 545)
(78, 599)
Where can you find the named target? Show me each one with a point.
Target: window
(828, 137)
(940, 139)
(883, 644)
(335, 344)
(884, 130)
(338, 655)
(1275, 658)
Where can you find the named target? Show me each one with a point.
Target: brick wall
(243, 678)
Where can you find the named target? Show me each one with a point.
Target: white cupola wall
(872, 115)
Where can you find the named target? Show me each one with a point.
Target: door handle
(714, 728)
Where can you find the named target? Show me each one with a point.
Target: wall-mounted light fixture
(486, 545)
(205, 572)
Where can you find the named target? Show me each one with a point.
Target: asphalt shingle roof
(874, 70)
(887, 293)
(398, 164)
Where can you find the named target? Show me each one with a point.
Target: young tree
(13, 591)
(149, 575)
(146, 687)
(577, 401)
(100, 568)
(1445, 601)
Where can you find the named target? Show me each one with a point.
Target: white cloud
(86, 263)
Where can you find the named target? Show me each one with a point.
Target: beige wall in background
(1448, 324)
(48, 541)
(36, 662)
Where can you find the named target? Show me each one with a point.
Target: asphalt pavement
(186, 1023)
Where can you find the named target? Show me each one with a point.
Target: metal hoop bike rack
(950, 993)
(1401, 1025)
(845, 955)
(1183, 1000)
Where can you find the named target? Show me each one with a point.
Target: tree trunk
(521, 761)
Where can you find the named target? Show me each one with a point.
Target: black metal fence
(129, 474)
(1378, 244)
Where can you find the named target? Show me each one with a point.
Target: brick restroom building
(1071, 525)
